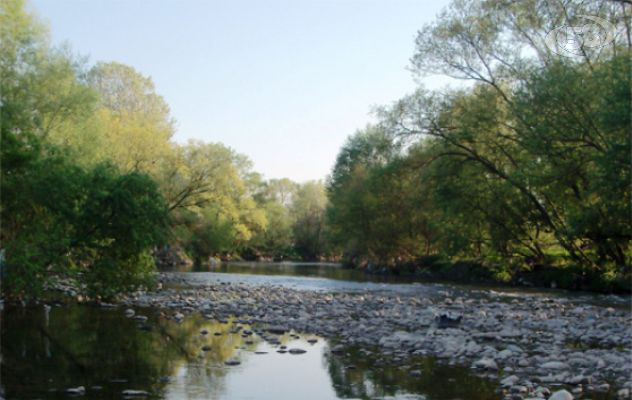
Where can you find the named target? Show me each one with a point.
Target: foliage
(59, 217)
(528, 165)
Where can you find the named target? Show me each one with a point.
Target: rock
(206, 348)
(510, 381)
(278, 330)
(561, 395)
(623, 393)
(519, 389)
(77, 391)
(338, 349)
(504, 354)
(129, 313)
(297, 351)
(135, 393)
(312, 341)
(486, 363)
(554, 365)
(415, 373)
(178, 317)
(232, 363)
(444, 321)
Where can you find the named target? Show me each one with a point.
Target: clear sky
(284, 82)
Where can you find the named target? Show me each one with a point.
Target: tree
(308, 211)
(60, 217)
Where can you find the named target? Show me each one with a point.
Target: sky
(283, 82)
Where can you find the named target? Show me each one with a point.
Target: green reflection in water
(94, 347)
(358, 374)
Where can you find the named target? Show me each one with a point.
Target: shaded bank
(433, 269)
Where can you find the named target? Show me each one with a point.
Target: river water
(47, 350)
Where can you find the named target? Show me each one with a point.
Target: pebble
(76, 391)
(134, 393)
(561, 395)
(536, 338)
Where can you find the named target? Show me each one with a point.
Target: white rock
(623, 393)
(135, 393)
(561, 395)
(510, 380)
(486, 363)
(554, 365)
(504, 354)
(78, 391)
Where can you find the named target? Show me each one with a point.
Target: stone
(76, 391)
(278, 329)
(338, 349)
(297, 351)
(129, 313)
(554, 365)
(623, 393)
(510, 381)
(486, 363)
(504, 354)
(561, 395)
(232, 363)
(135, 393)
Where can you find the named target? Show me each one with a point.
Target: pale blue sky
(284, 82)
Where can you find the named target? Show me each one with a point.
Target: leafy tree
(308, 210)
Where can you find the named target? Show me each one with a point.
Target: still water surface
(45, 352)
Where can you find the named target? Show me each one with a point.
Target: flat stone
(561, 395)
(135, 393)
(76, 391)
(554, 365)
(486, 363)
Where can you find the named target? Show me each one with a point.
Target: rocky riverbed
(533, 346)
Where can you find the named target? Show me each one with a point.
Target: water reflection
(304, 269)
(45, 352)
(358, 374)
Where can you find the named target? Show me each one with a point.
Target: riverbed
(315, 331)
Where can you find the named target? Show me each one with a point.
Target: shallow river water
(47, 350)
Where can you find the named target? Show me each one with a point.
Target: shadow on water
(106, 352)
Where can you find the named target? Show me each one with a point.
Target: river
(48, 350)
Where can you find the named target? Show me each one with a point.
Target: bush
(59, 218)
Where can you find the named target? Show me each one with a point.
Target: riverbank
(530, 345)
(542, 276)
